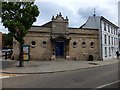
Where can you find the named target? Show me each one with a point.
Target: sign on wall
(26, 52)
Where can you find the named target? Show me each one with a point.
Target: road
(85, 78)
(109, 85)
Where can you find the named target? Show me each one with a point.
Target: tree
(18, 17)
(7, 40)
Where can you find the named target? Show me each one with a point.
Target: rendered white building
(108, 35)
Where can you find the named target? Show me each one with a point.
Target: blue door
(59, 48)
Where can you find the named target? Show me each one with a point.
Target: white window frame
(105, 39)
(105, 26)
(109, 51)
(109, 40)
(105, 51)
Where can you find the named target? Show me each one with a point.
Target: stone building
(0, 44)
(0, 40)
(119, 22)
(56, 39)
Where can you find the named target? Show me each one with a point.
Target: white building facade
(119, 22)
(109, 39)
(108, 36)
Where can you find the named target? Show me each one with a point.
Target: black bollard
(5, 55)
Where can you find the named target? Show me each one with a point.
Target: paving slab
(32, 67)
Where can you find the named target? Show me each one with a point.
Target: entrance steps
(60, 59)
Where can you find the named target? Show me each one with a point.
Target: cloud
(77, 11)
(48, 9)
(85, 12)
(90, 11)
(2, 28)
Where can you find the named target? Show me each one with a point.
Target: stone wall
(0, 43)
(83, 48)
(42, 50)
(0, 40)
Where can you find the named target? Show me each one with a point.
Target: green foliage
(18, 17)
(7, 40)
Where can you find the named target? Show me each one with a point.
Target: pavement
(41, 67)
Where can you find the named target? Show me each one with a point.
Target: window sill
(105, 56)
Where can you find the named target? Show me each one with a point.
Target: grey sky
(77, 11)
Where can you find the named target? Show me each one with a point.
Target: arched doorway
(59, 45)
(60, 48)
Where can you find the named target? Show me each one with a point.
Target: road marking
(1, 77)
(8, 75)
(108, 84)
